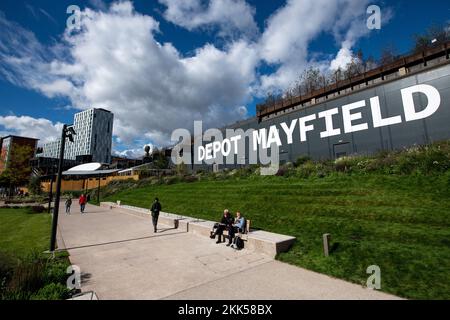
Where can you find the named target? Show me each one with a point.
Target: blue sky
(223, 56)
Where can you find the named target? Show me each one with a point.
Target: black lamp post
(50, 198)
(66, 133)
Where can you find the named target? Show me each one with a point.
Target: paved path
(121, 258)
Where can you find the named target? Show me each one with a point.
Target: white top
(94, 166)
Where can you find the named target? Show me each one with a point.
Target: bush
(190, 179)
(346, 164)
(302, 160)
(37, 209)
(171, 180)
(6, 271)
(52, 291)
(306, 170)
(35, 277)
(35, 186)
(27, 278)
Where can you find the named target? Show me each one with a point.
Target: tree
(181, 169)
(35, 185)
(370, 64)
(160, 160)
(272, 99)
(18, 169)
(437, 32)
(388, 55)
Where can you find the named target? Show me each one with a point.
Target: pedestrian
(68, 204)
(82, 201)
(156, 209)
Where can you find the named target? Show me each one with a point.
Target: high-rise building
(93, 138)
(9, 154)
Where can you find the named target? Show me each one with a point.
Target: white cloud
(343, 58)
(114, 61)
(130, 154)
(42, 129)
(291, 29)
(231, 17)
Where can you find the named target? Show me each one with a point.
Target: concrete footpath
(122, 258)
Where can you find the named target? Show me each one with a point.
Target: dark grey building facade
(384, 88)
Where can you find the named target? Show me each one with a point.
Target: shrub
(171, 180)
(281, 172)
(37, 209)
(190, 179)
(6, 271)
(302, 160)
(346, 164)
(36, 277)
(52, 291)
(27, 278)
(35, 186)
(306, 170)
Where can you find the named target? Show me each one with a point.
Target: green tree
(18, 169)
(35, 186)
(160, 160)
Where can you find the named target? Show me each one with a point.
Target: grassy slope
(21, 232)
(400, 223)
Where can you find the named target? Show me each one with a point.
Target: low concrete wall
(259, 241)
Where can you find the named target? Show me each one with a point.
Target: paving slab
(120, 257)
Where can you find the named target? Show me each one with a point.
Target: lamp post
(66, 133)
(50, 198)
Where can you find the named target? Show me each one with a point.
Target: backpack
(239, 243)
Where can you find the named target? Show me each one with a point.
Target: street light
(66, 133)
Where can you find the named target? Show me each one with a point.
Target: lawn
(21, 232)
(400, 223)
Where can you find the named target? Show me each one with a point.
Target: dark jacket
(227, 221)
(156, 208)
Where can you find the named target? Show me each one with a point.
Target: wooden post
(326, 244)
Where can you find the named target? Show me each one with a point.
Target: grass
(22, 232)
(26, 273)
(399, 222)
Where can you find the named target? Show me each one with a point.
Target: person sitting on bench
(225, 224)
(240, 222)
(238, 226)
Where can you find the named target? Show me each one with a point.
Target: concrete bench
(259, 241)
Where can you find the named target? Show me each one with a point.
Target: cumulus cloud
(343, 58)
(114, 61)
(291, 29)
(130, 154)
(231, 17)
(42, 129)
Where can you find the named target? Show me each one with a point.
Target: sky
(159, 65)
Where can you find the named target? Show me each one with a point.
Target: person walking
(156, 209)
(68, 205)
(82, 201)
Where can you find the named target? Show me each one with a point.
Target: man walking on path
(82, 201)
(68, 205)
(156, 208)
